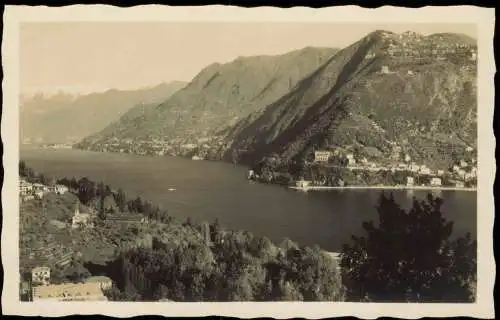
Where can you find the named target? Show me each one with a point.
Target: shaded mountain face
(64, 118)
(219, 96)
(414, 92)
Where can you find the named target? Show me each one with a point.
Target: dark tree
(22, 169)
(86, 190)
(409, 257)
(120, 199)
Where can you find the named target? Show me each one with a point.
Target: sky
(97, 56)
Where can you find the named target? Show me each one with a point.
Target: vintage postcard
(265, 162)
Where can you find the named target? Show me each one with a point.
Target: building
(39, 194)
(440, 172)
(459, 184)
(251, 174)
(25, 187)
(414, 167)
(384, 69)
(402, 167)
(461, 173)
(322, 156)
(40, 275)
(469, 149)
(410, 181)
(61, 189)
(70, 292)
(407, 158)
(435, 181)
(302, 183)
(456, 168)
(425, 170)
(81, 219)
(463, 163)
(104, 282)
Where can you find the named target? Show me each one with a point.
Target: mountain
(63, 117)
(383, 97)
(220, 95)
(384, 92)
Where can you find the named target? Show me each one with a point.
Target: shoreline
(429, 188)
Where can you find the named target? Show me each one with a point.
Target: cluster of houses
(174, 147)
(460, 173)
(412, 45)
(29, 191)
(41, 288)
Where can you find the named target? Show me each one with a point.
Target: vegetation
(236, 266)
(409, 257)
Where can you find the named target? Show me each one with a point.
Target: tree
(22, 169)
(120, 199)
(409, 257)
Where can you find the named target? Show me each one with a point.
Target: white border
(483, 18)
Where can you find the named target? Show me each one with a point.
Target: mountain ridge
(65, 117)
(358, 98)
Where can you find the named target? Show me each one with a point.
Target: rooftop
(67, 290)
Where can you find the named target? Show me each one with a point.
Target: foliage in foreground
(409, 257)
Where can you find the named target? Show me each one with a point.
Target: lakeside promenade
(427, 188)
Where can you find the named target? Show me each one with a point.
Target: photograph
(211, 160)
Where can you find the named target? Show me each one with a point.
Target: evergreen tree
(409, 257)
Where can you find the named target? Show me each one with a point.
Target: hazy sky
(90, 56)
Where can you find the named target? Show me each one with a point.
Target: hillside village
(51, 262)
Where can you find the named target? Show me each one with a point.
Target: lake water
(208, 190)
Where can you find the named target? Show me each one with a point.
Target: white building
(25, 187)
(322, 156)
(384, 69)
(302, 183)
(425, 170)
(414, 167)
(40, 275)
(61, 189)
(81, 219)
(461, 173)
(463, 163)
(410, 181)
(440, 172)
(407, 158)
(459, 184)
(456, 168)
(436, 182)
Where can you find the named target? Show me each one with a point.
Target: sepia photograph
(235, 160)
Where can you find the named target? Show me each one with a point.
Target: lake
(207, 190)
